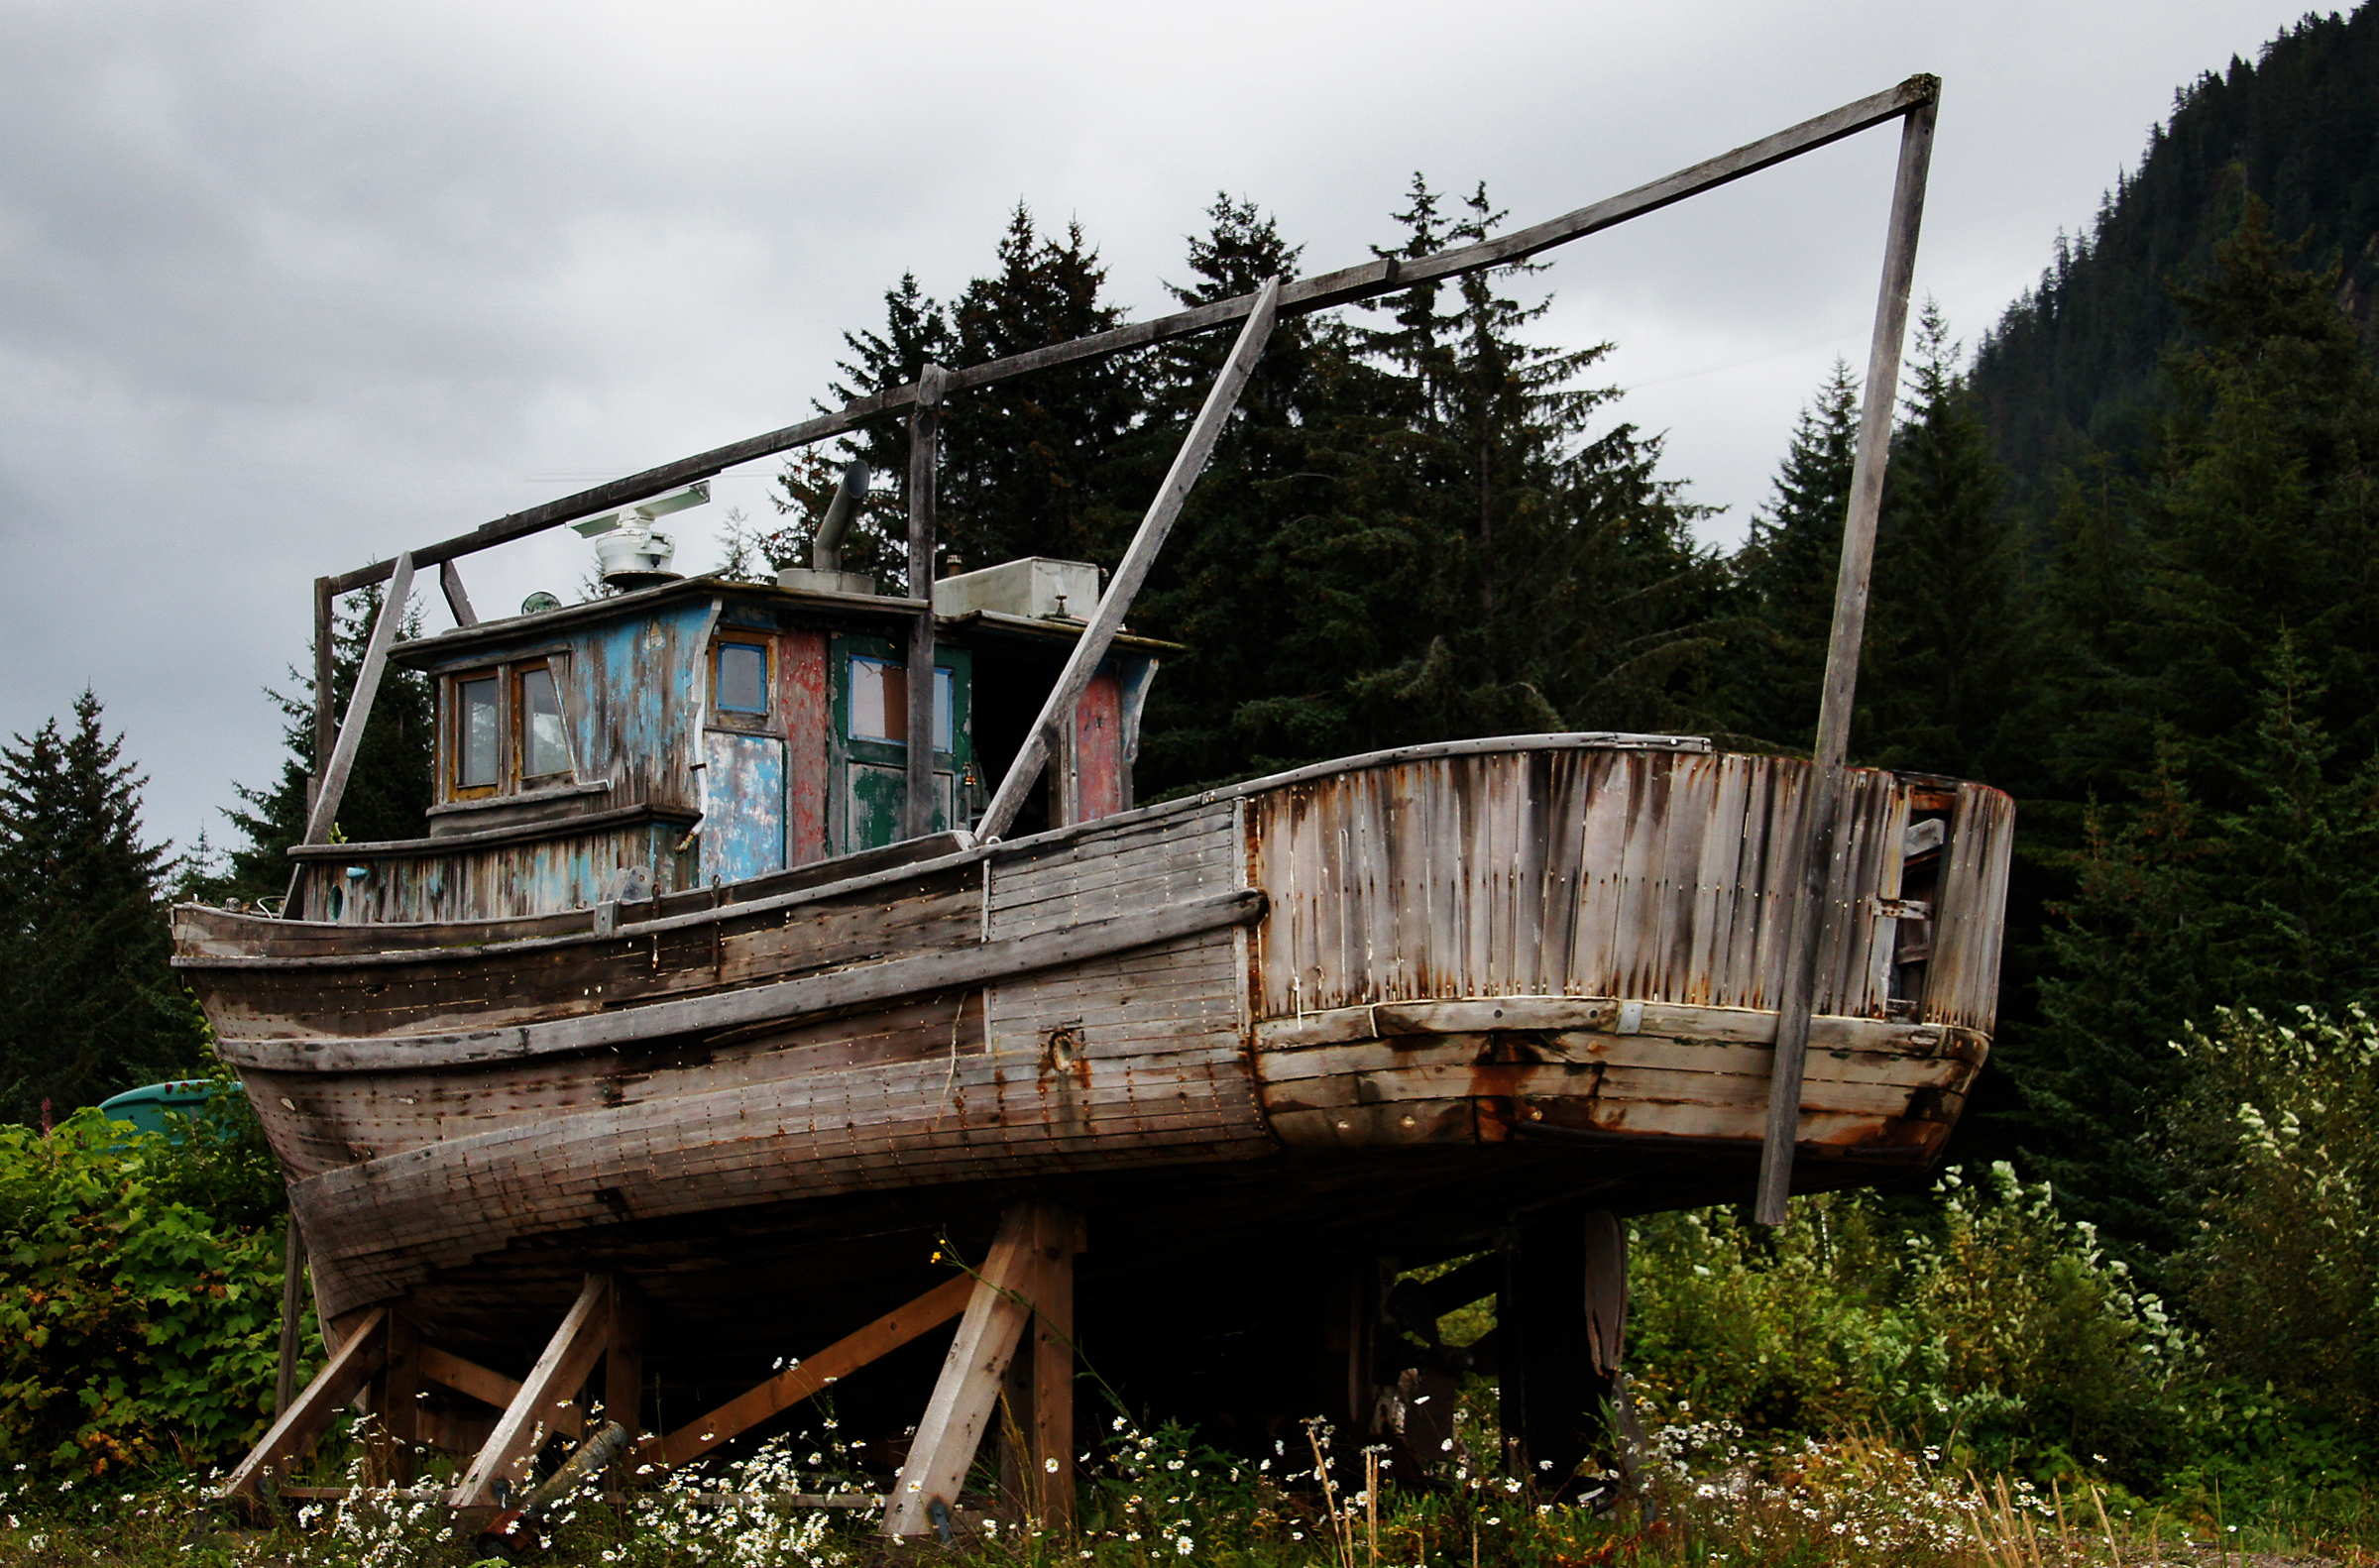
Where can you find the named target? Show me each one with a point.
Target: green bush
(140, 1296)
(1991, 1330)
(2277, 1136)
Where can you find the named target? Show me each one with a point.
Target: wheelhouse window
(739, 679)
(477, 730)
(879, 703)
(544, 745)
(506, 730)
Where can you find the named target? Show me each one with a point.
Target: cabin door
(872, 741)
(743, 796)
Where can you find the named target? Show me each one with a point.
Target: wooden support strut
(805, 1379)
(925, 425)
(341, 1379)
(1033, 1239)
(359, 705)
(1322, 293)
(560, 1373)
(450, 583)
(292, 1311)
(1797, 994)
(1049, 1426)
(1132, 571)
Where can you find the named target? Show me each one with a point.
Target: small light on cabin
(538, 602)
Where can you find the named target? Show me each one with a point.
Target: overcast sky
(288, 287)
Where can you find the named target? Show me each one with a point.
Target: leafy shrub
(2277, 1135)
(136, 1326)
(1992, 1328)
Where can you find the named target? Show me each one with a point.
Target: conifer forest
(2127, 570)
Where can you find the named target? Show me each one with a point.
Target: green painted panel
(871, 771)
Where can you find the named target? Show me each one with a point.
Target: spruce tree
(88, 1005)
(1941, 666)
(916, 332)
(2180, 910)
(1269, 579)
(2266, 511)
(1786, 569)
(1040, 466)
(2187, 604)
(1559, 583)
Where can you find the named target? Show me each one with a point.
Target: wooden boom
(1322, 293)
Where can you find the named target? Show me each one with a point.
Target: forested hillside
(2072, 370)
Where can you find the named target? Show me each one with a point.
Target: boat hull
(1380, 1006)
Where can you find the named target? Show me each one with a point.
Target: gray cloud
(286, 287)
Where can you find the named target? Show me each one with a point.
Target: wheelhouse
(704, 732)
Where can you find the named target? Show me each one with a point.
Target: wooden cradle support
(1025, 1280)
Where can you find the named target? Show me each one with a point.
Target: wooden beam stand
(359, 703)
(1036, 1447)
(1328, 290)
(1034, 1240)
(395, 1400)
(293, 1314)
(450, 1370)
(924, 436)
(1048, 1425)
(804, 1379)
(341, 1379)
(450, 581)
(559, 1374)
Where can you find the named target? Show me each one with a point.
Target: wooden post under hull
(1031, 1261)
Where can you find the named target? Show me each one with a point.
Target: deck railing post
(1797, 995)
(924, 428)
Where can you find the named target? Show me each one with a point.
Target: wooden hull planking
(1439, 968)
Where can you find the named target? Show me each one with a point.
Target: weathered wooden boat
(721, 989)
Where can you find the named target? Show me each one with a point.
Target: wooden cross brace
(1027, 1279)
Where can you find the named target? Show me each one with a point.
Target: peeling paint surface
(744, 830)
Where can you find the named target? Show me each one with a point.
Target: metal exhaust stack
(825, 574)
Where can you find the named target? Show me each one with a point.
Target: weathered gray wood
(359, 705)
(1322, 293)
(786, 999)
(326, 729)
(450, 583)
(325, 723)
(810, 1376)
(450, 1370)
(965, 1393)
(1707, 1031)
(567, 1360)
(341, 1377)
(292, 1312)
(924, 428)
(1881, 398)
(486, 838)
(1132, 571)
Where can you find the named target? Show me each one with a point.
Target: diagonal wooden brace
(806, 1378)
(364, 1353)
(968, 1392)
(559, 1374)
